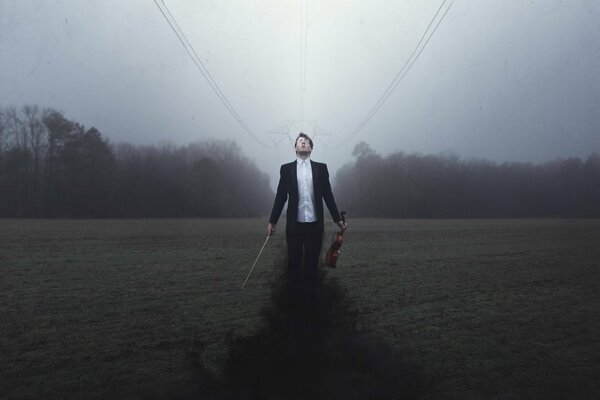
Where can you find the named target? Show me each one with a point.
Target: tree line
(444, 186)
(54, 167)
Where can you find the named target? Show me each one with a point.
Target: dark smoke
(309, 348)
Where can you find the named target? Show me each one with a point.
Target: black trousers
(304, 248)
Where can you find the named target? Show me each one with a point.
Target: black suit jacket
(288, 190)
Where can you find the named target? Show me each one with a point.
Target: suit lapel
(316, 179)
(294, 175)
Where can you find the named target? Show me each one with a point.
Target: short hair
(305, 136)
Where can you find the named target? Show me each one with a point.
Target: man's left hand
(342, 225)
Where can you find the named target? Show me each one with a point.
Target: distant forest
(52, 167)
(444, 186)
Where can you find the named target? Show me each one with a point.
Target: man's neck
(303, 155)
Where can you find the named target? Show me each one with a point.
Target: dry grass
(116, 309)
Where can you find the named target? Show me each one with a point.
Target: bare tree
(3, 131)
(36, 141)
(15, 133)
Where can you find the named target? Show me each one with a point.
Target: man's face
(303, 145)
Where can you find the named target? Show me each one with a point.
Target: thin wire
(401, 74)
(397, 78)
(203, 70)
(303, 55)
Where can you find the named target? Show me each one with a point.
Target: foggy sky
(505, 80)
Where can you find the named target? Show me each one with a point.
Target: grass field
(488, 309)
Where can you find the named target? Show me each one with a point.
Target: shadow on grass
(309, 348)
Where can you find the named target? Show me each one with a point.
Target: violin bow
(255, 261)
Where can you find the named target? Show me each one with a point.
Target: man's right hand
(270, 229)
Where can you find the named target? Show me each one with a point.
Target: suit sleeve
(280, 198)
(328, 197)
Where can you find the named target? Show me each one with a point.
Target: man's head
(303, 145)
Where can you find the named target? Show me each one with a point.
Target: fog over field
(140, 144)
(500, 80)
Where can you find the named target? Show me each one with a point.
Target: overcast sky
(504, 80)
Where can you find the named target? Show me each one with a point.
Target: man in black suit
(304, 184)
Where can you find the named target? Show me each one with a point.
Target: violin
(336, 243)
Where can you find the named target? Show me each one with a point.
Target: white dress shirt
(306, 193)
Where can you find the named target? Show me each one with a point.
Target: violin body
(334, 251)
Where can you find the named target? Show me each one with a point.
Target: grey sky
(506, 80)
